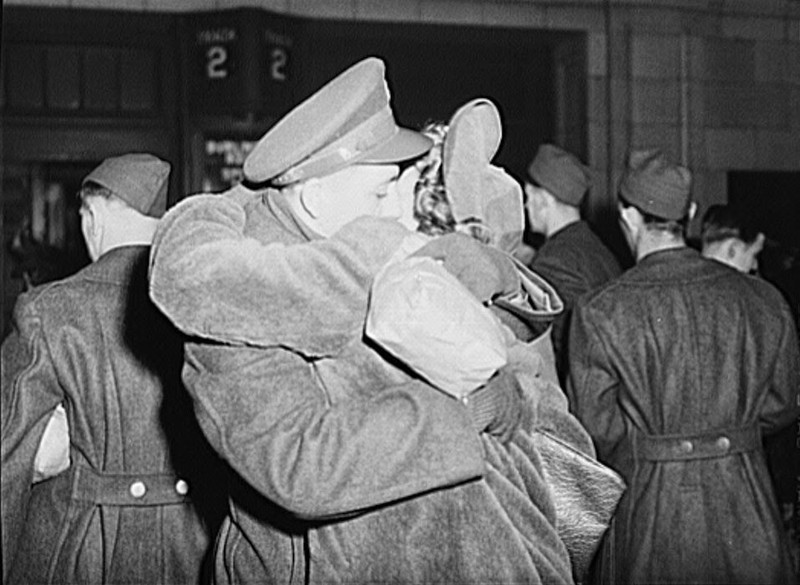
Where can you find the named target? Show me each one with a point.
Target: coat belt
(707, 445)
(118, 489)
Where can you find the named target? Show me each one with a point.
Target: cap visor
(402, 146)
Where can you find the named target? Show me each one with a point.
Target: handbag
(422, 315)
(585, 493)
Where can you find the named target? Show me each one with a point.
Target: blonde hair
(432, 202)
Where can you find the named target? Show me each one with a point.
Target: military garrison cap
(139, 179)
(561, 173)
(347, 121)
(655, 186)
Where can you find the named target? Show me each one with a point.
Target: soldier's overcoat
(95, 343)
(575, 261)
(357, 472)
(677, 369)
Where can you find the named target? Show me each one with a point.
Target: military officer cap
(347, 121)
(655, 186)
(561, 173)
(139, 179)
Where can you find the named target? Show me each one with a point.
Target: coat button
(723, 443)
(181, 487)
(686, 446)
(138, 489)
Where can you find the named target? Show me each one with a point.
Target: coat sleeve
(30, 392)
(592, 386)
(570, 286)
(266, 415)
(215, 282)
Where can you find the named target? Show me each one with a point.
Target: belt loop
(693, 446)
(128, 489)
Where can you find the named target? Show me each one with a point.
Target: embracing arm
(214, 281)
(30, 392)
(264, 413)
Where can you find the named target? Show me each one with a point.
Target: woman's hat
(477, 189)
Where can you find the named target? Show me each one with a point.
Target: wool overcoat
(574, 260)
(361, 473)
(677, 369)
(96, 344)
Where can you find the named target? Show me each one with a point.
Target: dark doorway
(433, 69)
(772, 200)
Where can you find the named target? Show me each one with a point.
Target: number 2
(215, 68)
(277, 66)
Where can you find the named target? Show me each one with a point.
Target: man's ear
(626, 216)
(311, 197)
(529, 193)
(546, 199)
(732, 248)
(93, 213)
(692, 210)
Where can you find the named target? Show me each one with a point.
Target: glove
(497, 406)
(485, 271)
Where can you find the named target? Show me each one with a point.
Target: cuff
(482, 406)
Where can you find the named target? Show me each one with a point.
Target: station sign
(239, 62)
(223, 158)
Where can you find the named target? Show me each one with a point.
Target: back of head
(140, 180)
(729, 237)
(347, 121)
(723, 222)
(561, 173)
(656, 187)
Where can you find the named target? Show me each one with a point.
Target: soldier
(677, 369)
(727, 237)
(115, 492)
(361, 472)
(573, 258)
